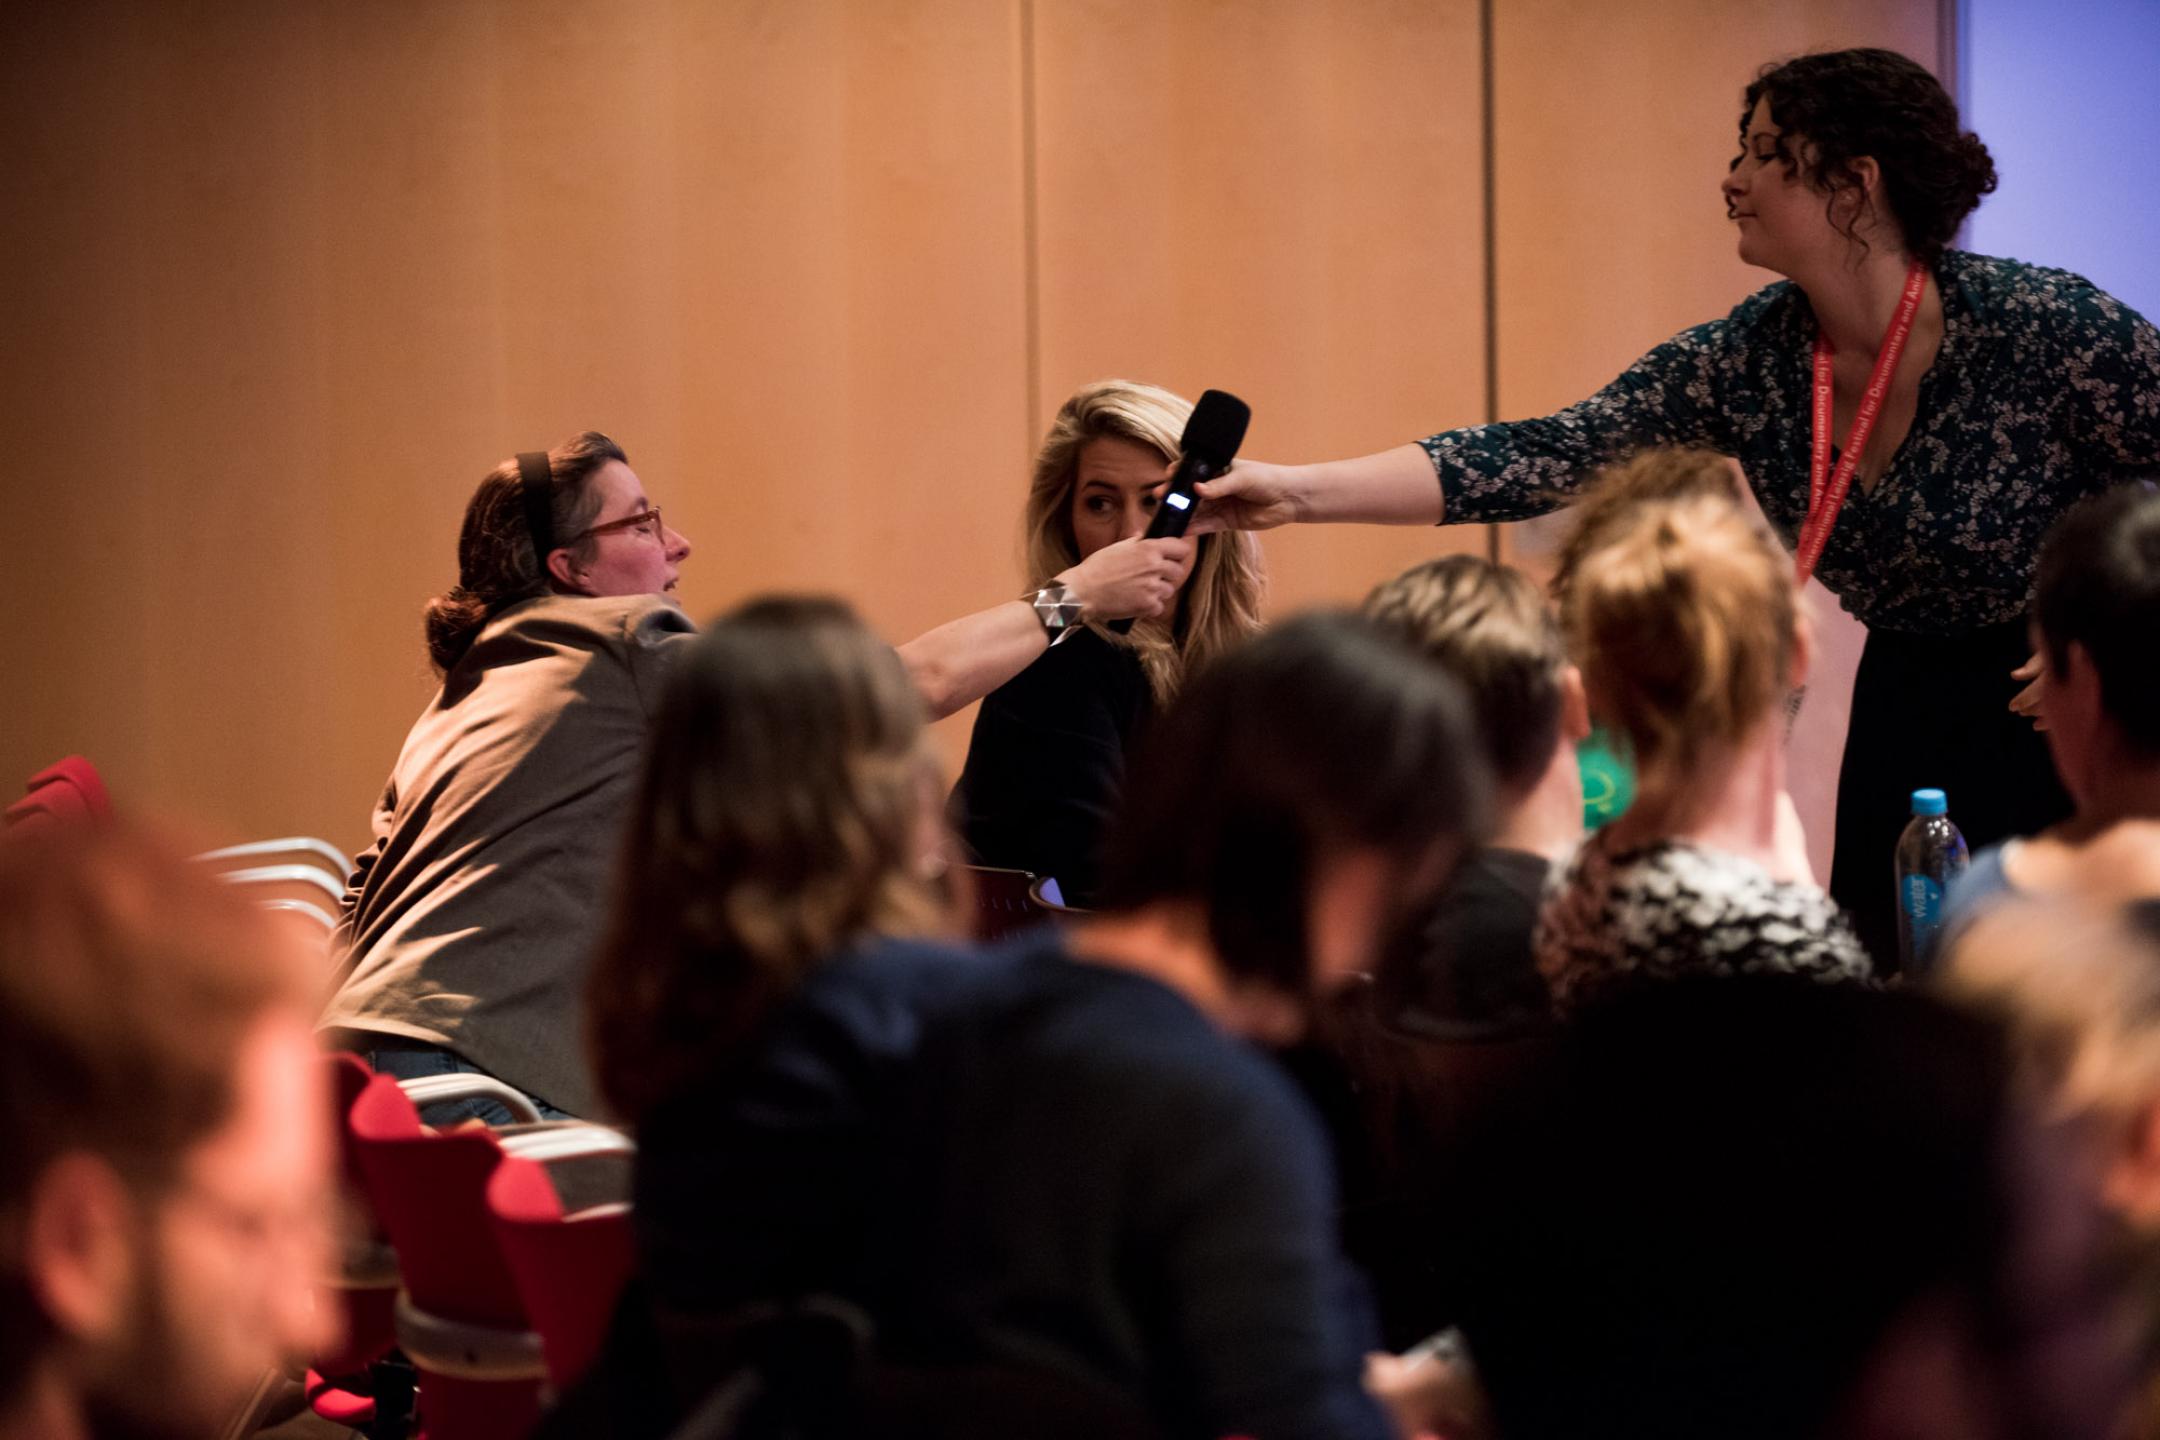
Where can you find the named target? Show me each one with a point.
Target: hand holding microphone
(1210, 442)
(1134, 579)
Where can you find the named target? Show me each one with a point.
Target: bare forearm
(963, 660)
(1393, 487)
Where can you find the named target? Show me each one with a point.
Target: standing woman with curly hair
(467, 923)
(1912, 419)
(1048, 753)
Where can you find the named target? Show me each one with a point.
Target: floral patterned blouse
(2045, 390)
(1672, 909)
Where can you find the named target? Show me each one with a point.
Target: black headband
(536, 487)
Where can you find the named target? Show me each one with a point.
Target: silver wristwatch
(1058, 611)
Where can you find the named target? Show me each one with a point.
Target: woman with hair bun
(2005, 392)
(467, 923)
(1684, 618)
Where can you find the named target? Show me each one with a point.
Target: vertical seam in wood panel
(1948, 35)
(1947, 68)
(1030, 234)
(1488, 180)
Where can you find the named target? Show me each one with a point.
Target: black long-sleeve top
(1017, 1159)
(1046, 762)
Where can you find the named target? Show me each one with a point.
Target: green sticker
(1608, 778)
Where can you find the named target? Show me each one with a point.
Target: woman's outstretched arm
(965, 659)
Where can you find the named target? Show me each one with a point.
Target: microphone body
(1210, 442)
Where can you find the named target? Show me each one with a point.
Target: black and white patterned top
(1671, 909)
(2045, 390)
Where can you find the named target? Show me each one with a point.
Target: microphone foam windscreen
(1216, 429)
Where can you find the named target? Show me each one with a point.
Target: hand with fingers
(2027, 701)
(1130, 579)
(1250, 495)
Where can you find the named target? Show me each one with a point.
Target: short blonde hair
(1679, 608)
(1489, 627)
(1220, 604)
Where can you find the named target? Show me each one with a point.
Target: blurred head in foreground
(1304, 800)
(788, 809)
(1758, 1206)
(2078, 984)
(162, 1208)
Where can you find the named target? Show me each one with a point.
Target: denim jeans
(415, 1059)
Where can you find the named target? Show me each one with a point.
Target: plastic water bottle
(1930, 854)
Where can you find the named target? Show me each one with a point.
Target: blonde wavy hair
(1220, 602)
(1680, 609)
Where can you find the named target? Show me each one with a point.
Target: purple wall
(2066, 93)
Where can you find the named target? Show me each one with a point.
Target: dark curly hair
(1853, 103)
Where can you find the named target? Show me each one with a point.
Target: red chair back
(67, 790)
(570, 1269)
(368, 1287)
(429, 1189)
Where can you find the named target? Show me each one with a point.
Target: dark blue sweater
(1018, 1159)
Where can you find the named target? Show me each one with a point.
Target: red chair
(458, 1314)
(569, 1269)
(66, 791)
(340, 1385)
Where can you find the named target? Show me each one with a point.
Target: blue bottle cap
(1929, 802)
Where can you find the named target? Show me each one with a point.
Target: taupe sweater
(471, 920)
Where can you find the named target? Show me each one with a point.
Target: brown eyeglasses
(638, 522)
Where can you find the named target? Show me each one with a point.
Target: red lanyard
(1826, 491)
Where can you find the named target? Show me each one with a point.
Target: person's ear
(565, 572)
(1860, 198)
(2079, 675)
(2132, 1184)
(2073, 696)
(1866, 177)
(78, 1246)
(1574, 706)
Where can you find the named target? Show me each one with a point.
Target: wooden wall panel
(292, 277)
(284, 279)
(1279, 198)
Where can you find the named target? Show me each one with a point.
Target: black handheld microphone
(1210, 442)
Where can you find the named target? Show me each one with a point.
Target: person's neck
(1547, 819)
(1730, 803)
(2131, 792)
(1168, 942)
(42, 1410)
(1855, 296)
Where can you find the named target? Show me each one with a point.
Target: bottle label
(1923, 909)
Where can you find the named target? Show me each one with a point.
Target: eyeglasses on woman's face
(645, 523)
